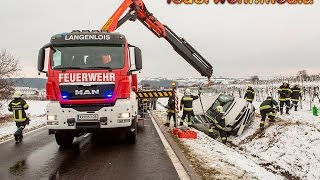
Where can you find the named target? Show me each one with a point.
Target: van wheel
(64, 139)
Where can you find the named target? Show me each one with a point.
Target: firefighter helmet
(17, 94)
(219, 109)
(187, 91)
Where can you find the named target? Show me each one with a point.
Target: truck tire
(132, 135)
(64, 139)
(141, 125)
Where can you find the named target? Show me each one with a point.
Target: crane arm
(138, 10)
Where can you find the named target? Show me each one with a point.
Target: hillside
(38, 83)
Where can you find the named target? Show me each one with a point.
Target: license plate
(123, 120)
(83, 117)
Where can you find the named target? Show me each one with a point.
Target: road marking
(174, 159)
(24, 134)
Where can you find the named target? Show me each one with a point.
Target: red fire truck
(92, 83)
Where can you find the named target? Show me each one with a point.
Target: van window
(223, 100)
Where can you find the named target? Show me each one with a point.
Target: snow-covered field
(288, 148)
(36, 112)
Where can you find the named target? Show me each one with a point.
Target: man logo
(86, 92)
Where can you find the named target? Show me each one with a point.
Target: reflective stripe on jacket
(249, 94)
(186, 102)
(296, 93)
(284, 93)
(268, 103)
(18, 107)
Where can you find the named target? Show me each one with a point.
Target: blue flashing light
(108, 94)
(64, 95)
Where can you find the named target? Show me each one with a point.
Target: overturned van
(238, 112)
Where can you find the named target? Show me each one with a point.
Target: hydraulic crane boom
(137, 10)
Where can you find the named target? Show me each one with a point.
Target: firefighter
(171, 112)
(106, 58)
(219, 124)
(186, 104)
(249, 95)
(295, 96)
(268, 107)
(315, 93)
(284, 96)
(18, 107)
(154, 103)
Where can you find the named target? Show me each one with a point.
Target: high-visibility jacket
(18, 107)
(249, 94)
(284, 92)
(171, 105)
(219, 122)
(268, 103)
(295, 93)
(186, 102)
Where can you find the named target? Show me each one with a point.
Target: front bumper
(68, 118)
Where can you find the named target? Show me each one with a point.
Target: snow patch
(36, 112)
(227, 161)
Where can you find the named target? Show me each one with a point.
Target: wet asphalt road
(90, 157)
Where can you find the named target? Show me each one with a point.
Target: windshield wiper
(68, 68)
(99, 67)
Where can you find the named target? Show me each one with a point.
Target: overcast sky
(238, 40)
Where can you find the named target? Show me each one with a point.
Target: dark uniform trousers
(271, 112)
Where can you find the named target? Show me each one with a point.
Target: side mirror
(41, 56)
(138, 58)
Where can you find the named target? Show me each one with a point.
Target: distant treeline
(155, 84)
(38, 83)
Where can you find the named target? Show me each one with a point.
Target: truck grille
(83, 108)
(92, 91)
(88, 125)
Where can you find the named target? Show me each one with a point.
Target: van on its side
(238, 112)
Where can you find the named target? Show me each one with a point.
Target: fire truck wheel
(64, 139)
(140, 125)
(132, 134)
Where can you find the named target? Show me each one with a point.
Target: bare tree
(8, 68)
(303, 74)
(254, 79)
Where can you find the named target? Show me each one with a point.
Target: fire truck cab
(90, 84)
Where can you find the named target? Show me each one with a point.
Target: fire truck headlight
(124, 115)
(51, 117)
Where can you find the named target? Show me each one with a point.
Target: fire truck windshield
(88, 57)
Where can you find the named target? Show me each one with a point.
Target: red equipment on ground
(184, 133)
